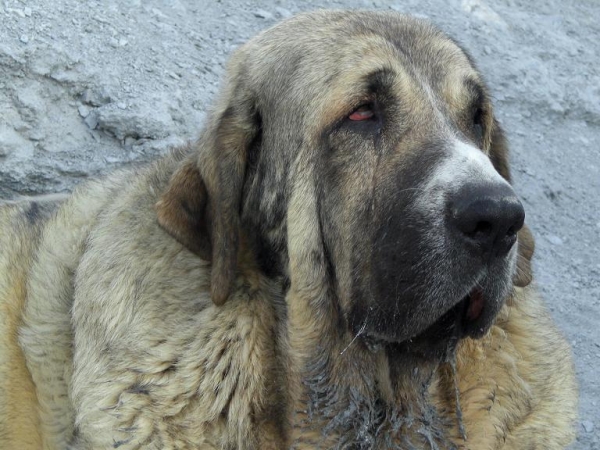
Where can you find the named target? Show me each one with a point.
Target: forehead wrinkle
(423, 61)
(455, 88)
(450, 69)
(424, 104)
(440, 74)
(436, 61)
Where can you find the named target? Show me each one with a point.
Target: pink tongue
(475, 305)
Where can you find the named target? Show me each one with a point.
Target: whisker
(360, 331)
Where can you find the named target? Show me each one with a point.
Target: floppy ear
(201, 206)
(182, 210)
(498, 149)
(499, 156)
(526, 243)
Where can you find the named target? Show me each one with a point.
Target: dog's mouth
(466, 318)
(475, 303)
(471, 317)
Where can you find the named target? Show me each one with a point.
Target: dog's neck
(343, 392)
(345, 395)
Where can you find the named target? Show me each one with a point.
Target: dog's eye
(478, 123)
(363, 112)
(478, 117)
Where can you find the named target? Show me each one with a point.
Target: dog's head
(360, 150)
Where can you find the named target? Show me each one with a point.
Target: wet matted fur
(293, 279)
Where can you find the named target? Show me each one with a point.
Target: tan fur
(138, 313)
(19, 425)
(517, 386)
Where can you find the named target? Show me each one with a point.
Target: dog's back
(21, 225)
(41, 243)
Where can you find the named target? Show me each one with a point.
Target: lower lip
(476, 304)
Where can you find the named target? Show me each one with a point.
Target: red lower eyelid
(361, 115)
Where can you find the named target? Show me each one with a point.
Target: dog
(339, 262)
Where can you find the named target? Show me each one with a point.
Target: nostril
(482, 228)
(519, 219)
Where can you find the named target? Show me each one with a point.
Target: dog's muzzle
(442, 260)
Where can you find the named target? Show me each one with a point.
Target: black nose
(487, 217)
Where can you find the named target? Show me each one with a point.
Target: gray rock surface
(87, 86)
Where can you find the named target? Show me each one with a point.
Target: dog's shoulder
(144, 320)
(545, 362)
(126, 244)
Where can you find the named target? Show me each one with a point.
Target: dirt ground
(87, 86)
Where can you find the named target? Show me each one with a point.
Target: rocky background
(87, 86)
